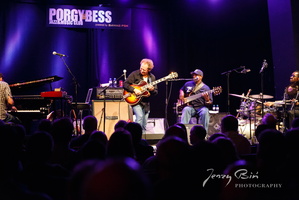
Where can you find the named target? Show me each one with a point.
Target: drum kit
(252, 110)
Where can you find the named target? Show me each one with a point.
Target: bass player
(142, 108)
(200, 105)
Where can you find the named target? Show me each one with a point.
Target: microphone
(58, 54)
(265, 65)
(244, 71)
(125, 73)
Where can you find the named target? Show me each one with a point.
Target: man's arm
(10, 101)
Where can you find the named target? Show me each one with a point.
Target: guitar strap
(197, 87)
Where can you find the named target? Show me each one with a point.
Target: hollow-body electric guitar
(133, 99)
(182, 103)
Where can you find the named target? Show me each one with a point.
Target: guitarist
(198, 106)
(142, 108)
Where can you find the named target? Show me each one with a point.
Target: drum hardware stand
(294, 102)
(285, 113)
(243, 101)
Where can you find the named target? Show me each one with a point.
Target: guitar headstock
(217, 90)
(172, 75)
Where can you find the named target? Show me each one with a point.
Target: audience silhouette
(62, 131)
(197, 133)
(89, 125)
(42, 165)
(142, 149)
(230, 126)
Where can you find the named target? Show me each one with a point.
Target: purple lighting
(148, 30)
(12, 46)
(149, 41)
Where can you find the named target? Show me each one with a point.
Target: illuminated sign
(88, 17)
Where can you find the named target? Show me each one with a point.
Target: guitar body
(134, 99)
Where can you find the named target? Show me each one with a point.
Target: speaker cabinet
(115, 110)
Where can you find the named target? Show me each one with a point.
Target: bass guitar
(182, 103)
(133, 99)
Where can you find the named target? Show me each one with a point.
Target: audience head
(172, 154)
(197, 133)
(62, 130)
(90, 123)
(215, 136)
(136, 131)
(229, 123)
(92, 149)
(39, 146)
(272, 146)
(45, 125)
(120, 144)
(176, 130)
(227, 149)
(183, 126)
(120, 179)
(99, 136)
(120, 124)
(270, 120)
(292, 139)
(259, 129)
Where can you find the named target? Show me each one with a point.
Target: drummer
(291, 96)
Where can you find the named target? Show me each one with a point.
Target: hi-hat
(258, 96)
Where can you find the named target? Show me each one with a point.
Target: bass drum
(247, 128)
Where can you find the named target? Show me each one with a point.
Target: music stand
(83, 106)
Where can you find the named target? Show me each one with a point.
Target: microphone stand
(168, 95)
(262, 85)
(76, 84)
(227, 73)
(104, 107)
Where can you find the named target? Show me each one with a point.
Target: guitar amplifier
(111, 93)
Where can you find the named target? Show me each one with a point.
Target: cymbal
(244, 97)
(237, 95)
(258, 96)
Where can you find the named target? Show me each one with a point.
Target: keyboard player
(6, 102)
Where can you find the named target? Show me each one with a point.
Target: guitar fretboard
(156, 82)
(193, 97)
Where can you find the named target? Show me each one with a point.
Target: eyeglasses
(144, 69)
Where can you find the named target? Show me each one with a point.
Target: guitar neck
(159, 81)
(155, 82)
(196, 96)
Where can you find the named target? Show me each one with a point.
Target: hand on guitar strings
(150, 87)
(137, 91)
